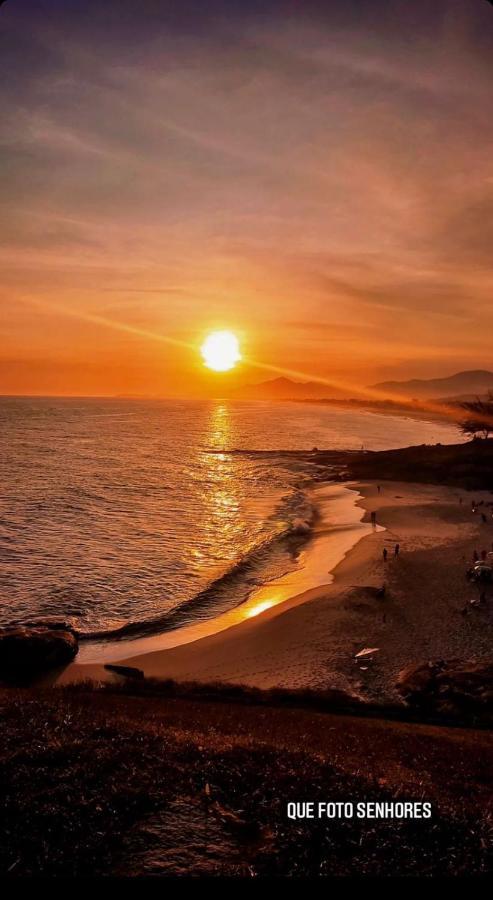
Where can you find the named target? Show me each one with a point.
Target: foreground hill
(104, 782)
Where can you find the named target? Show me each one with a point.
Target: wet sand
(310, 640)
(338, 526)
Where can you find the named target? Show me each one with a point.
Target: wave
(244, 574)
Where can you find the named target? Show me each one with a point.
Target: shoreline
(310, 640)
(340, 526)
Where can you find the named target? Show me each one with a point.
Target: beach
(310, 640)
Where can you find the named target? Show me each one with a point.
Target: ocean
(122, 517)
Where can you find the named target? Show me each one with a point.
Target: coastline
(341, 523)
(309, 641)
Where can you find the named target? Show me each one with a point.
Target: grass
(84, 772)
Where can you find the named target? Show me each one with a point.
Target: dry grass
(83, 770)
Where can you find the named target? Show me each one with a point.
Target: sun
(221, 351)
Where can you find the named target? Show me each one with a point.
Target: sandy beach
(311, 639)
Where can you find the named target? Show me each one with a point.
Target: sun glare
(221, 351)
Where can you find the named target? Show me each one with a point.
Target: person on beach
(384, 554)
(373, 518)
(475, 556)
(483, 518)
(378, 488)
(397, 549)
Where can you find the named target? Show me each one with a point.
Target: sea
(132, 517)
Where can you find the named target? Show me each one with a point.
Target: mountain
(286, 389)
(460, 385)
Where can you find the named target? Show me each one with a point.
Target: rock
(416, 680)
(126, 671)
(30, 649)
(452, 688)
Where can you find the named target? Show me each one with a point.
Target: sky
(315, 177)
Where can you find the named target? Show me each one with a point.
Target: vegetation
(468, 465)
(109, 782)
(479, 419)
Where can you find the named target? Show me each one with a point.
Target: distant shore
(442, 411)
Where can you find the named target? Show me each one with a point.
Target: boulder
(126, 671)
(416, 681)
(30, 649)
(452, 688)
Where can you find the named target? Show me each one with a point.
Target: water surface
(114, 513)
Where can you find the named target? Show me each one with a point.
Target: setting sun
(221, 351)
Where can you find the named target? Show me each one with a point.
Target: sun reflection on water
(221, 494)
(259, 608)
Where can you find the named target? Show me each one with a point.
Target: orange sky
(320, 182)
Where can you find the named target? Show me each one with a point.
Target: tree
(479, 418)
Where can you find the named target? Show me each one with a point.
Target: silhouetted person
(384, 554)
(373, 517)
(475, 556)
(483, 554)
(397, 550)
(378, 488)
(483, 518)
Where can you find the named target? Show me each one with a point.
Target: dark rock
(416, 680)
(126, 671)
(455, 687)
(30, 649)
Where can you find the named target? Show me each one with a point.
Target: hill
(286, 389)
(130, 785)
(460, 385)
(468, 465)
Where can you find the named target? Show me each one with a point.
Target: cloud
(270, 166)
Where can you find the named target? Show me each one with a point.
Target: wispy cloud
(265, 170)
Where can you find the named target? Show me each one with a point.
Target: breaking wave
(269, 559)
